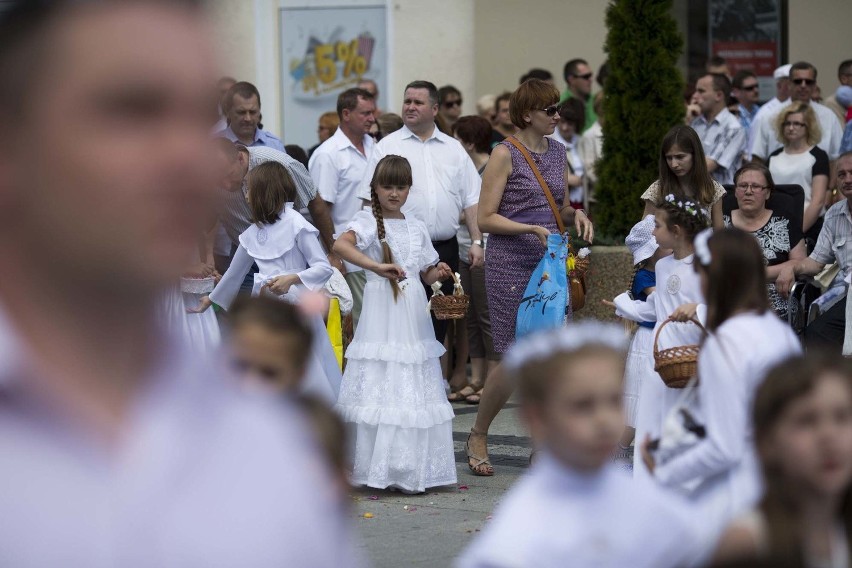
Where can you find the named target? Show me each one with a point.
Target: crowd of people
(203, 329)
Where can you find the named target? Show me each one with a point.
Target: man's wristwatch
(478, 242)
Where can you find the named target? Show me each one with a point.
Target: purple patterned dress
(511, 259)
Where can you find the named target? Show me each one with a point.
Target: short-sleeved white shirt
(445, 179)
(337, 168)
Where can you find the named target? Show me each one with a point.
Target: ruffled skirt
(392, 395)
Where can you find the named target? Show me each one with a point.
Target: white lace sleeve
(363, 224)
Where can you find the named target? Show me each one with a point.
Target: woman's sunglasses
(552, 110)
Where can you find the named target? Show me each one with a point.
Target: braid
(387, 256)
(691, 223)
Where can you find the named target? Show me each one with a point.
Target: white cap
(641, 241)
(782, 72)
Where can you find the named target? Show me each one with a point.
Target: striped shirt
(724, 140)
(235, 214)
(835, 238)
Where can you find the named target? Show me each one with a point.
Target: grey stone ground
(435, 527)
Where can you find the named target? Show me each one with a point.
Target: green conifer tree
(644, 99)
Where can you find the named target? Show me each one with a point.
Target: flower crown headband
(539, 346)
(686, 205)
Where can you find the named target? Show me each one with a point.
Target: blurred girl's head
(570, 382)
(683, 165)
(803, 434)
(269, 343)
(270, 187)
(733, 275)
(677, 221)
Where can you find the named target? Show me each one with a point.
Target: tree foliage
(644, 99)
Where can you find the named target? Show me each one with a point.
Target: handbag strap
(526, 154)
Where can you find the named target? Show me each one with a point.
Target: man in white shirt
(118, 446)
(803, 78)
(446, 183)
(337, 168)
(721, 134)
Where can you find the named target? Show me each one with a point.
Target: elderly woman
(780, 239)
(800, 161)
(514, 210)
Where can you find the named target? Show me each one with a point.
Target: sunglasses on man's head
(451, 104)
(808, 82)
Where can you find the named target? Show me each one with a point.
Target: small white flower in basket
(449, 307)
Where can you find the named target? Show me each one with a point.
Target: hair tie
(702, 248)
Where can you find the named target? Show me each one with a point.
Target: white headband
(702, 249)
(565, 339)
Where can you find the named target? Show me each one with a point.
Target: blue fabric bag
(545, 300)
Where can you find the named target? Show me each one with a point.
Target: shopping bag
(543, 304)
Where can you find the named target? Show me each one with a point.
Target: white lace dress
(392, 395)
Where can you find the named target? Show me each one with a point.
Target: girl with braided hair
(392, 396)
(677, 297)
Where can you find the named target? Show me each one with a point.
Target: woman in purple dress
(514, 210)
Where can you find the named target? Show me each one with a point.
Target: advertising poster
(747, 33)
(324, 52)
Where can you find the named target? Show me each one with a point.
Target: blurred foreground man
(117, 448)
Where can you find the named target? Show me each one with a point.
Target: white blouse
(731, 366)
(288, 246)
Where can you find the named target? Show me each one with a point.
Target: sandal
(475, 462)
(474, 398)
(460, 395)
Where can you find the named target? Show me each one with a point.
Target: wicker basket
(450, 307)
(676, 365)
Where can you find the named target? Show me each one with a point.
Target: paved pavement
(432, 529)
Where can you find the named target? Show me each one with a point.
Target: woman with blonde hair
(800, 161)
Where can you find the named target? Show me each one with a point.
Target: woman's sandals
(478, 466)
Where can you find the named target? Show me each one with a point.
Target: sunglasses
(750, 87)
(807, 82)
(552, 110)
(451, 104)
(587, 76)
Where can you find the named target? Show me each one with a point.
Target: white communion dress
(288, 246)
(677, 284)
(392, 395)
(556, 517)
(200, 332)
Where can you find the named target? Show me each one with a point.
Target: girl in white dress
(575, 508)
(393, 394)
(803, 434)
(640, 357)
(291, 262)
(745, 339)
(677, 297)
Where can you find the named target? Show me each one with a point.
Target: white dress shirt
(337, 168)
(765, 140)
(445, 179)
(201, 476)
